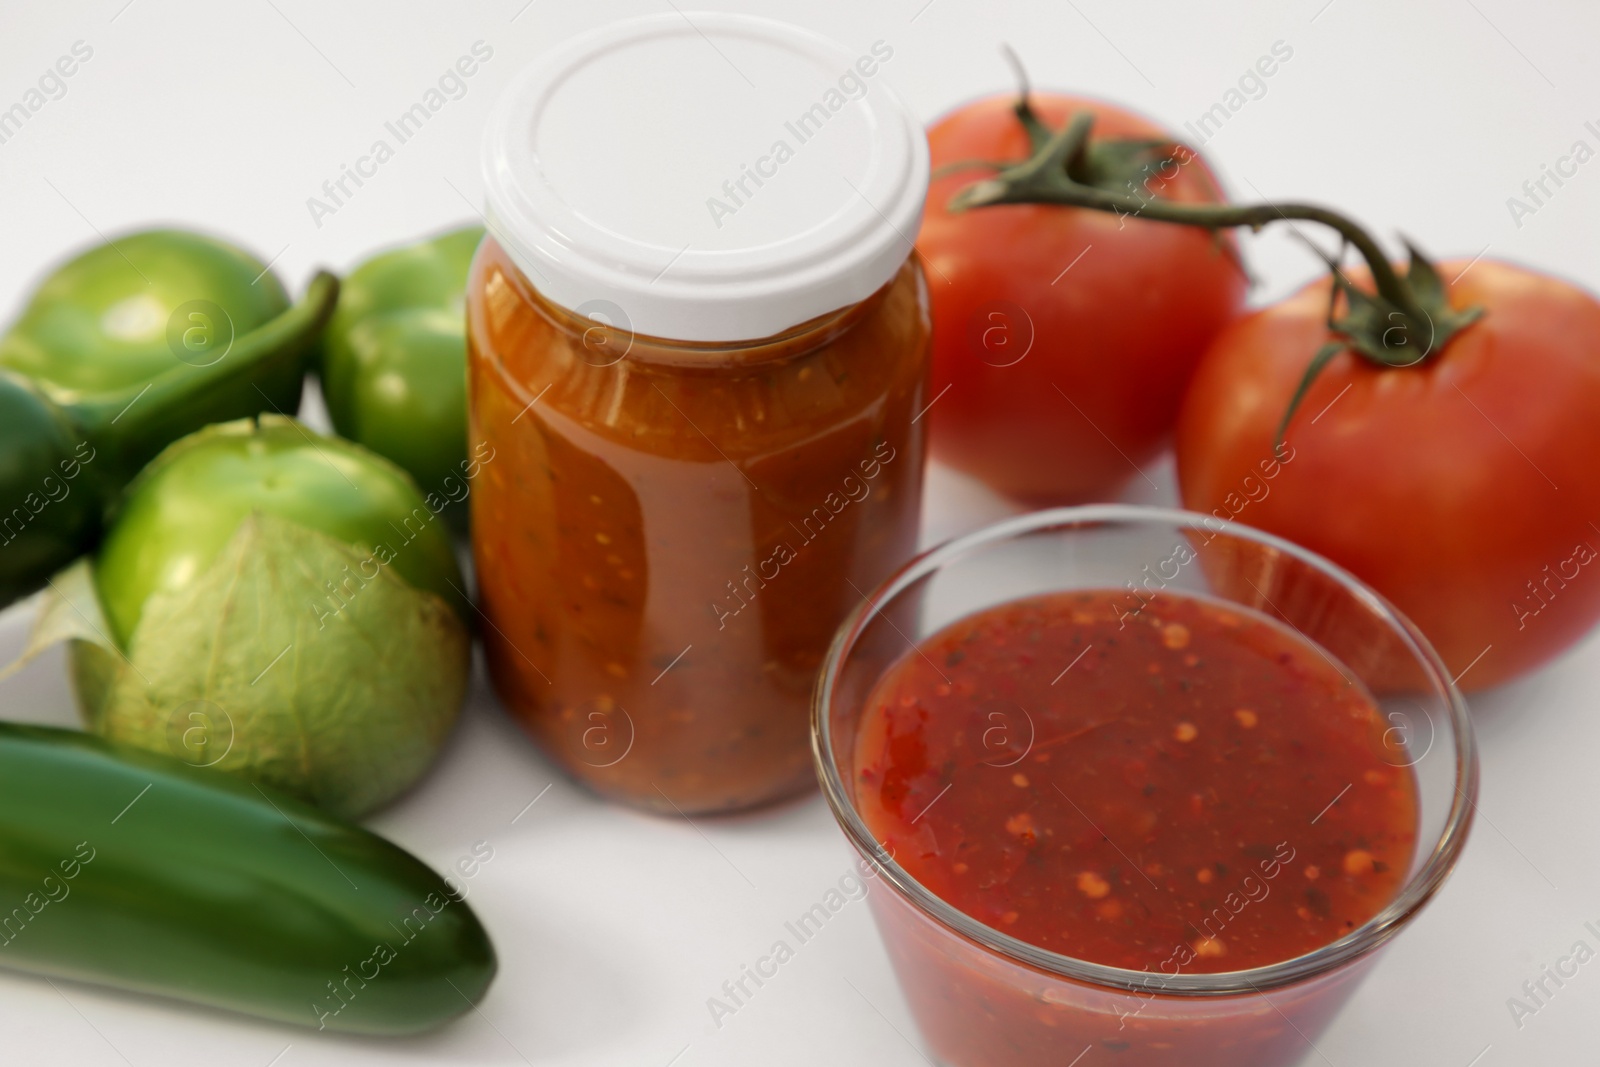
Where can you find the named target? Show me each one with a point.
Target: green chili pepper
(394, 366)
(143, 872)
(123, 350)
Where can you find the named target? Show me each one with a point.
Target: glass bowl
(986, 999)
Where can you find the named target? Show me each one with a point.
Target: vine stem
(1046, 178)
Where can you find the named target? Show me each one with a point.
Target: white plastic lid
(705, 176)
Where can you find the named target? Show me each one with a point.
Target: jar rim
(791, 343)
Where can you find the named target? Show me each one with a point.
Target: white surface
(706, 176)
(614, 928)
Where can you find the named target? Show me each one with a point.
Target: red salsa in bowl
(1162, 821)
(1195, 786)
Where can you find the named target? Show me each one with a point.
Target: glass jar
(665, 544)
(698, 431)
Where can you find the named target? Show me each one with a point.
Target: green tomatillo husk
(280, 605)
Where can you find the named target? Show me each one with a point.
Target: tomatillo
(124, 349)
(294, 586)
(188, 504)
(394, 364)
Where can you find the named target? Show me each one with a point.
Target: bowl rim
(1418, 890)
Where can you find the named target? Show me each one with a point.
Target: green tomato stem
(1046, 178)
(1408, 319)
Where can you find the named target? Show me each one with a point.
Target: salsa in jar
(699, 346)
(1185, 787)
(666, 544)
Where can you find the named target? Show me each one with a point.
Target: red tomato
(1065, 337)
(1464, 488)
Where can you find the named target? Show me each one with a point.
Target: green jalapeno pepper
(142, 872)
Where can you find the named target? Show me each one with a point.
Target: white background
(613, 928)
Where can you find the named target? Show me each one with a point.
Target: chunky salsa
(1182, 787)
(671, 532)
